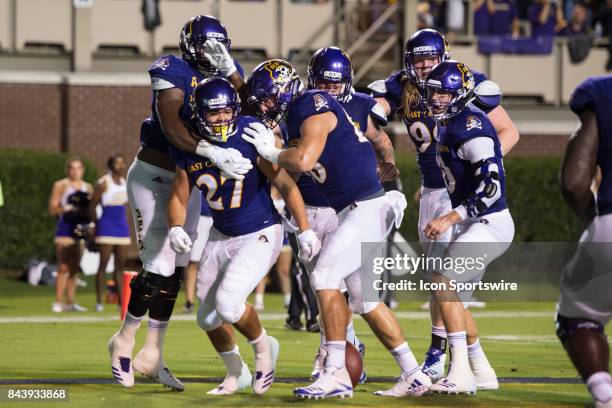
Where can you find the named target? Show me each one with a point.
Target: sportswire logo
(332, 75)
(217, 102)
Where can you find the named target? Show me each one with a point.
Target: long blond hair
(410, 97)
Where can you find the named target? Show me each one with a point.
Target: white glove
(264, 141)
(399, 204)
(179, 240)
(230, 161)
(217, 55)
(309, 245)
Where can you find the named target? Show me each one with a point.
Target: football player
(277, 80)
(326, 144)
(585, 304)
(246, 236)
(402, 92)
(469, 153)
(149, 184)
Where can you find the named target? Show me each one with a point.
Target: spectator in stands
(604, 17)
(66, 196)
(496, 17)
(546, 17)
(578, 23)
(112, 232)
(455, 16)
(424, 17)
(482, 16)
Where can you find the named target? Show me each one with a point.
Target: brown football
(354, 364)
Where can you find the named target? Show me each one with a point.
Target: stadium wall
(96, 115)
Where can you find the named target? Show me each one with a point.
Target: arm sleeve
(480, 152)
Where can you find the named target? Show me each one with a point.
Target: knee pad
(322, 281)
(208, 319)
(362, 307)
(152, 286)
(566, 326)
(231, 311)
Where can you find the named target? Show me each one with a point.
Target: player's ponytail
(410, 97)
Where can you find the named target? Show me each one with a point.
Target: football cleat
(121, 362)
(74, 307)
(57, 307)
(319, 363)
(156, 370)
(264, 370)
(232, 384)
(408, 385)
(459, 379)
(434, 362)
(484, 375)
(332, 383)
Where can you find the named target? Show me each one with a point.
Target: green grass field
(517, 337)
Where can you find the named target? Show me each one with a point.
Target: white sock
(232, 361)
(405, 358)
(261, 347)
(439, 331)
(127, 333)
(600, 386)
(458, 340)
(475, 351)
(259, 298)
(286, 299)
(351, 337)
(336, 350)
(156, 334)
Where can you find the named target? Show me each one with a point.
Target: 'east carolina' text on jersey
(595, 95)
(168, 72)
(419, 124)
(459, 174)
(346, 169)
(237, 207)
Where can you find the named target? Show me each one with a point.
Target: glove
(264, 141)
(230, 161)
(309, 245)
(179, 240)
(399, 204)
(217, 55)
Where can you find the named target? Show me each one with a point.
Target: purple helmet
(193, 35)
(426, 42)
(333, 65)
(453, 78)
(214, 94)
(273, 83)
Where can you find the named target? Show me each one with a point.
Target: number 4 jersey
(346, 169)
(237, 207)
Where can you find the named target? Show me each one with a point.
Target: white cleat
(121, 362)
(409, 385)
(264, 370)
(319, 363)
(57, 307)
(156, 369)
(333, 383)
(232, 383)
(99, 307)
(460, 379)
(433, 365)
(486, 379)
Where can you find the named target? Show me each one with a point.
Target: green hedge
(534, 199)
(26, 228)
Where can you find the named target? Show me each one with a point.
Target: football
(354, 364)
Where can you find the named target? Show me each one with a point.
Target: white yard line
(74, 318)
